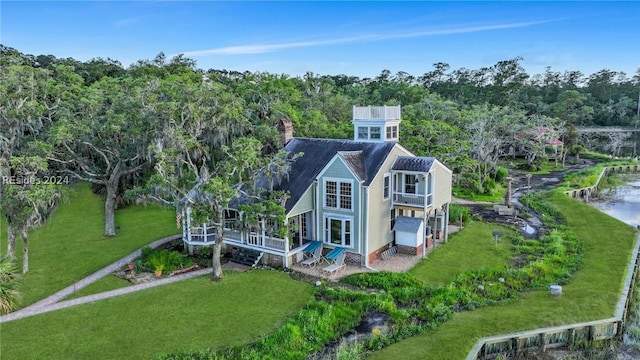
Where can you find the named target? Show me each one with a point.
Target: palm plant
(9, 280)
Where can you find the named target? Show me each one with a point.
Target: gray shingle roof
(410, 163)
(355, 162)
(318, 152)
(407, 224)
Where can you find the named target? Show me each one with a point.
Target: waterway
(622, 202)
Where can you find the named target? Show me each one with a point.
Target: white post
(189, 224)
(204, 232)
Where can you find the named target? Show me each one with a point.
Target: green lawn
(72, 245)
(592, 294)
(107, 283)
(473, 248)
(191, 314)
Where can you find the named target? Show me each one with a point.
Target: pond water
(622, 202)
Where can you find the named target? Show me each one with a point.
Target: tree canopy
(166, 122)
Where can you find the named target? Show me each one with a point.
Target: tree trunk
(109, 210)
(25, 251)
(217, 249)
(11, 241)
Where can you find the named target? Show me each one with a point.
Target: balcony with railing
(206, 236)
(376, 112)
(414, 200)
(254, 240)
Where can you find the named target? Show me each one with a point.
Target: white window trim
(390, 186)
(415, 184)
(337, 181)
(326, 239)
(391, 132)
(430, 185)
(371, 133)
(358, 132)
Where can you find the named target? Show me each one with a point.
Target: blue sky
(353, 38)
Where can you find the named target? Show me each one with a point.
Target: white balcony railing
(200, 236)
(409, 199)
(376, 112)
(254, 239)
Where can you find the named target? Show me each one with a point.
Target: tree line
(161, 127)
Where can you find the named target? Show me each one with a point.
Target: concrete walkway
(54, 302)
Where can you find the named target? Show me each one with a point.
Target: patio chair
(315, 257)
(336, 260)
(310, 249)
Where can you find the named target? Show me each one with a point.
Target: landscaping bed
(166, 260)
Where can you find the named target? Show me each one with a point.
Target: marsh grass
(591, 294)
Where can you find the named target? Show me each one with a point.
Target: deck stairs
(246, 256)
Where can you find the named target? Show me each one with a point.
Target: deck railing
(235, 236)
(376, 112)
(408, 199)
(254, 239)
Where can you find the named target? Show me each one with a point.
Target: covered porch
(260, 237)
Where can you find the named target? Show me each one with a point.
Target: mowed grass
(472, 248)
(191, 314)
(72, 245)
(592, 293)
(110, 282)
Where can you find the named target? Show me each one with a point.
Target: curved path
(54, 302)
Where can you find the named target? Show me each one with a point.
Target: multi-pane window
(331, 194)
(338, 195)
(363, 132)
(345, 195)
(337, 231)
(303, 226)
(410, 181)
(231, 219)
(375, 132)
(386, 186)
(392, 132)
(393, 218)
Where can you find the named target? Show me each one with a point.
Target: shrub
(456, 212)
(501, 174)
(489, 185)
(165, 260)
(383, 280)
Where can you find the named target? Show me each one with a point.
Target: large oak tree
(104, 136)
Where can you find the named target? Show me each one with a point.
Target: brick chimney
(285, 128)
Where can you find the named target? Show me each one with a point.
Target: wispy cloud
(128, 21)
(266, 48)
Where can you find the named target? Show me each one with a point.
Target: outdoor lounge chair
(336, 260)
(310, 249)
(315, 257)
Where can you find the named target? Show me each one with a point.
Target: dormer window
(376, 123)
(375, 133)
(392, 132)
(363, 133)
(368, 133)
